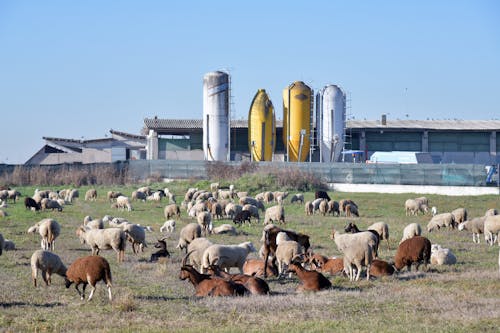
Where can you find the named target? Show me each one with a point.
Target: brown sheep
(380, 268)
(89, 270)
(413, 250)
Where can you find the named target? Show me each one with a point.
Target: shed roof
(454, 125)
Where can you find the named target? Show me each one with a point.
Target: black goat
(242, 217)
(322, 195)
(31, 203)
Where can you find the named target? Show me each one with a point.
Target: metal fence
(402, 174)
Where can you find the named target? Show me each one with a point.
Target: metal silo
(216, 116)
(330, 117)
(297, 120)
(261, 127)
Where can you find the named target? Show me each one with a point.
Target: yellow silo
(297, 102)
(261, 127)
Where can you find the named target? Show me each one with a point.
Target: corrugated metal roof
(189, 124)
(457, 125)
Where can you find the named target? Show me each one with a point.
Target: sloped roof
(453, 125)
(190, 124)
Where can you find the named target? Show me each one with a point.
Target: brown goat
(309, 280)
(379, 268)
(255, 267)
(413, 250)
(89, 270)
(255, 285)
(270, 243)
(324, 264)
(205, 285)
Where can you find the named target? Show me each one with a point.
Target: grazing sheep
(112, 195)
(93, 224)
(13, 195)
(268, 197)
(372, 237)
(138, 196)
(412, 207)
(491, 229)
(413, 250)
(89, 270)
(459, 215)
(309, 280)
(422, 201)
(72, 194)
(382, 229)
(216, 210)
(323, 207)
(196, 249)
(286, 251)
(123, 202)
(321, 195)
(343, 205)
(8, 245)
(298, 198)
(136, 235)
(333, 207)
(171, 210)
(441, 256)
(162, 252)
(254, 211)
(232, 209)
(491, 211)
(351, 210)
(49, 229)
(476, 226)
(30, 204)
(225, 229)
(168, 226)
(411, 230)
(357, 252)
(380, 268)
(316, 203)
(205, 221)
(91, 194)
(255, 267)
(242, 217)
(187, 234)
(50, 204)
(104, 239)
(275, 213)
(309, 208)
(227, 256)
(441, 220)
(48, 263)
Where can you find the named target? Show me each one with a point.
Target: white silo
(330, 122)
(216, 116)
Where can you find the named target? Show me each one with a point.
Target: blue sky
(77, 69)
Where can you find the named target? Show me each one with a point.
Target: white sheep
(136, 235)
(440, 221)
(412, 207)
(49, 229)
(51, 204)
(275, 213)
(491, 229)
(104, 239)
(491, 211)
(459, 215)
(357, 252)
(91, 194)
(123, 202)
(171, 210)
(225, 229)
(168, 226)
(227, 256)
(316, 203)
(382, 229)
(411, 230)
(476, 226)
(187, 234)
(286, 251)
(308, 208)
(93, 224)
(205, 221)
(48, 263)
(71, 195)
(232, 210)
(441, 256)
(196, 249)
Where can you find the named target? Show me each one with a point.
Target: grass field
(150, 297)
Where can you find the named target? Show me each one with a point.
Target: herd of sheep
(283, 251)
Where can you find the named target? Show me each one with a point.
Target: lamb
(187, 234)
(309, 280)
(91, 195)
(298, 198)
(8, 245)
(476, 226)
(459, 215)
(491, 229)
(49, 229)
(275, 213)
(89, 270)
(380, 268)
(48, 263)
(205, 221)
(227, 256)
(382, 229)
(441, 256)
(309, 208)
(411, 230)
(171, 210)
(225, 229)
(168, 226)
(30, 203)
(412, 207)
(104, 239)
(196, 249)
(413, 250)
(441, 220)
(162, 252)
(286, 251)
(357, 252)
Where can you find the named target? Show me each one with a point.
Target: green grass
(150, 297)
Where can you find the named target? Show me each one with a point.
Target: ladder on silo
(313, 144)
(347, 130)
